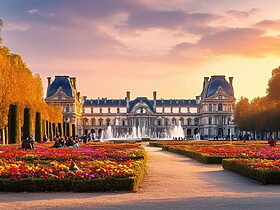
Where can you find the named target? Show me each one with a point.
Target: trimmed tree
(60, 131)
(26, 123)
(13, 125)
(53, 129)
(50, 130)
(64, 129)
(73, 130)
(38, 127)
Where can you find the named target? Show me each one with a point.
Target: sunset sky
(112, 46)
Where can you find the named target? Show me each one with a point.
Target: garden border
(262, 176)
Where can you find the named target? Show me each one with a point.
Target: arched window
(182, 121)
(210, 121)
(210, 108)
(196, 121)
(220, 107)
(109, 110)
(93, 122)
(100, 122)
(108, 122)
(118, 110)
(123, 122)
(189, 121)
(174, 122)
(159, 122)
(166, 122)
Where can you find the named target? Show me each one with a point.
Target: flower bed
(212, 152)
(261, 170)
(93, 167)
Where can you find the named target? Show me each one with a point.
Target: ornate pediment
(220, 94)
(59, 95)
(141, 108)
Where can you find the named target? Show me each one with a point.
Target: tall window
(159, 122)
(174, 122)
(100, 122)
(210, 121)
(67, 108)
(118, 110)
(189, 121)
(100, 110)
(166, 122)
(93, 122)
(91, 110)
(220, 107)
(108, 122)
(210, 108)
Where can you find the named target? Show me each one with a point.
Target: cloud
(33, 11)
(196, 23)
(246, 42)
(243, 14)
(269, 24)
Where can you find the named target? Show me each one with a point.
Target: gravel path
(172, 182)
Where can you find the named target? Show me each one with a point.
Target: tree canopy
(18, 85)
(261, 114)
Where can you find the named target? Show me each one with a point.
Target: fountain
(177, 131)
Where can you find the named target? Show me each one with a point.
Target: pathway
(172, 182)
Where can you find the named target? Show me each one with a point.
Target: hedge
(262, 176)
(195, 155)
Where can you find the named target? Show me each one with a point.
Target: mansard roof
(216, 82)
(176, 102)
(64, 83)
(159, 102)
(106, 102)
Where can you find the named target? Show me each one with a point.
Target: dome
(64, 83)
(216, 82)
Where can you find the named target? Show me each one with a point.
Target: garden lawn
(92, 167)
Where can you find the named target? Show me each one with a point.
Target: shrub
(13, 125)
(26, 123)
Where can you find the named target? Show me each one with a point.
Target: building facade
(210, 114)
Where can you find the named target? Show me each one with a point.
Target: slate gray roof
(63, 82)
(215, 82)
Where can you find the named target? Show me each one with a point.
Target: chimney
(73, 81)
(231, 81)
(49, 81)
(205, 83)
(84, 98)
(197, 99)
(155, 98)
(127, 98)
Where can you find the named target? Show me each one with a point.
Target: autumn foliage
(261, 114)
(18, 85)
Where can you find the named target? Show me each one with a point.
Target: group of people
(28, 143)
(65, 142)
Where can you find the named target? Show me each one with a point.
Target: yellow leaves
(19, 85)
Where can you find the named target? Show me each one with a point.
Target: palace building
(210, 114)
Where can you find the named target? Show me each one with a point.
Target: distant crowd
(59, 141)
